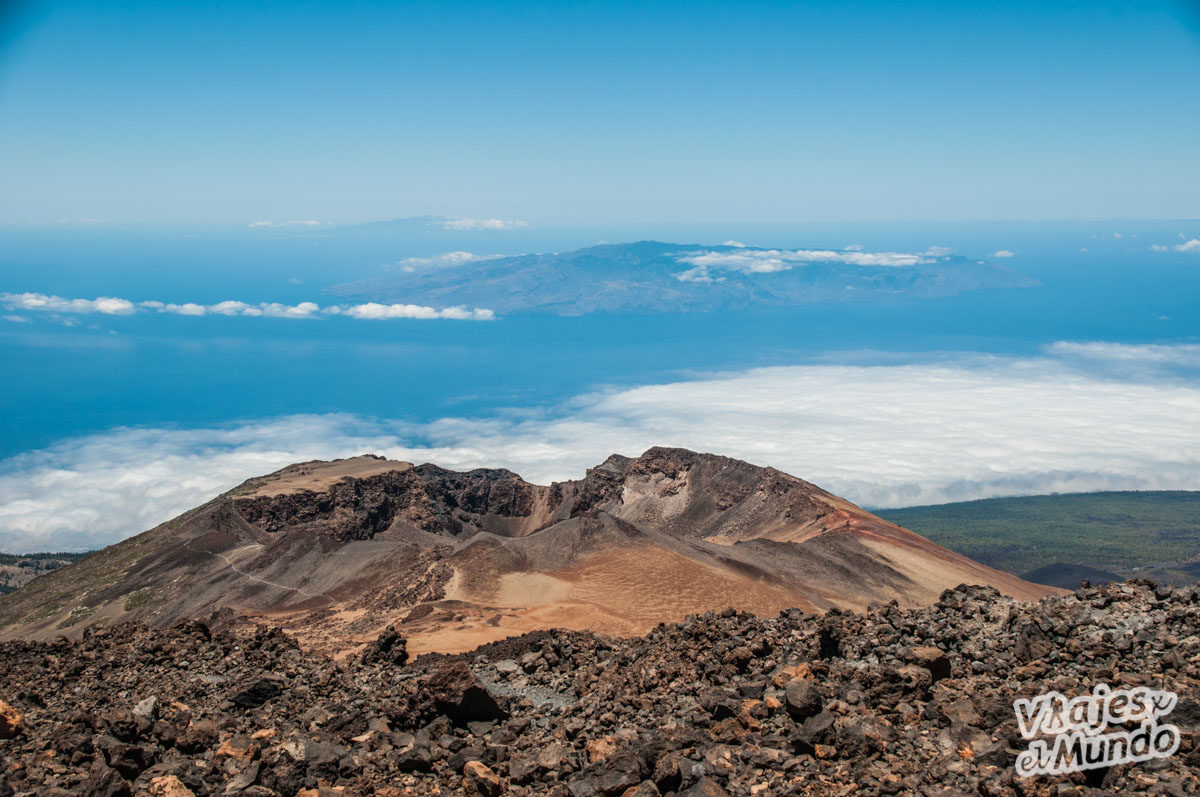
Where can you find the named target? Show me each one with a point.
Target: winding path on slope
(228, 563)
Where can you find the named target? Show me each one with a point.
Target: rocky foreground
(891, 702)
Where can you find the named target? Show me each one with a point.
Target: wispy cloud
(294, 223)
(1186, 355)
(381, 312)
(106, 305)
(706, 266)
(484, 224)
(1188, 245)
(111, 306)
(1003, 253)
(444, 260)
(953, 428)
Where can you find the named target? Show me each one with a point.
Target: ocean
(148, 369)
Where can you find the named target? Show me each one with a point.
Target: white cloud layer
(1142, 361)
(881, 435)
(111, 306)
(706, 266)
(484, 224)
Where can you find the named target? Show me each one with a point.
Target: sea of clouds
(1077, 417)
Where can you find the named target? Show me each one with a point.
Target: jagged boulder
(12, 722)
(458, 694)
(388, 648)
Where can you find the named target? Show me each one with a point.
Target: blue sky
(196, 113)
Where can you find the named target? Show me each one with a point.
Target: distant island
(656, 277)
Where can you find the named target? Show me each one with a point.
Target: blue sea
(159, 370)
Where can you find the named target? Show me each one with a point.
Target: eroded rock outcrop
(335, 552)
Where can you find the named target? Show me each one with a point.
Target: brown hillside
(336, 551)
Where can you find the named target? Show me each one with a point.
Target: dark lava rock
(256, 693)
(932, 659)
(199, 736)
(122, 725)
(816, 730)
(705, 787)
(802, 698)
(458, 694)
(129, 760)
(388, 648)
(893, 701)
(103, 781)
(416, 758)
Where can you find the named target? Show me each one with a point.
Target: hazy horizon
(139, 112)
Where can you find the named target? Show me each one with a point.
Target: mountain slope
(336, 551)
(656, 277)
(1069, 576)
